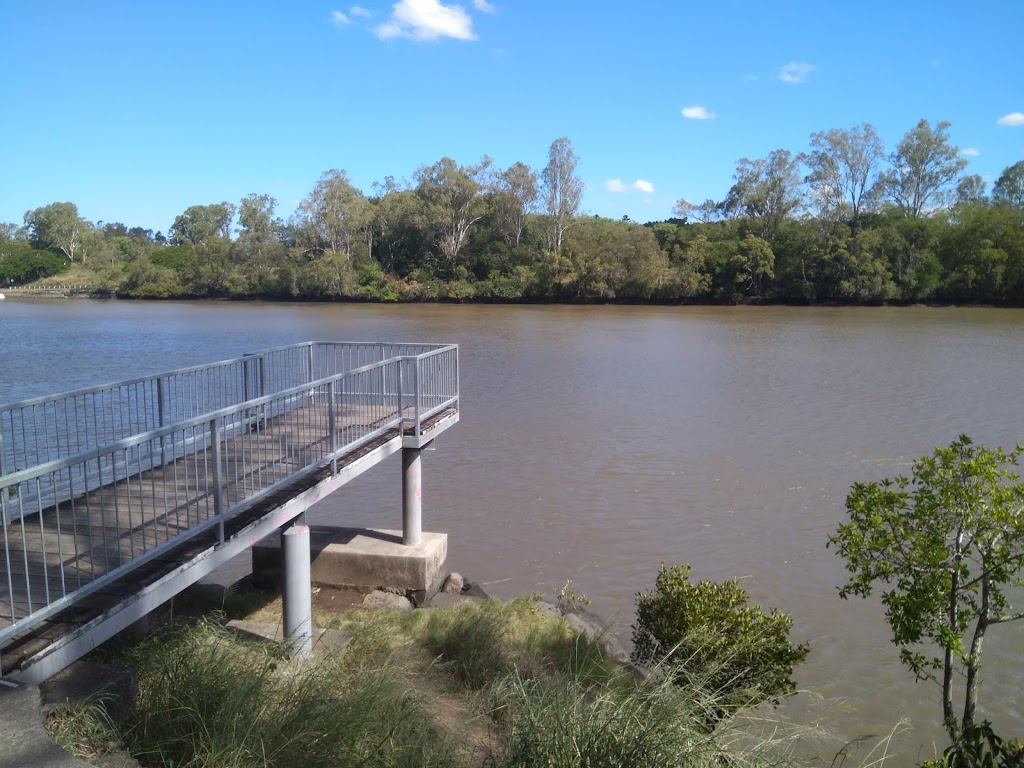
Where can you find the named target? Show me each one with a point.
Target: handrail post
(161, 418)
(3, 491)
(218, 476)
(398, 393)
(416, 382)
(332, 425)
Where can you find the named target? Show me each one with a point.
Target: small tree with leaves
(709, 632)
(943, 545)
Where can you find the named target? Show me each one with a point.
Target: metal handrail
(217, 461)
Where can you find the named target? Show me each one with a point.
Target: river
(598, 442)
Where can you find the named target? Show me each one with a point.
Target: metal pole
(3, 491)
(412, 496)
(218, 495)
(332, 425)
(296, 593)
(160, 405)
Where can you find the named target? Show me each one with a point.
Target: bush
(708, 634)
(21, 264)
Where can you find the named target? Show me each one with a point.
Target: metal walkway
(115, 498)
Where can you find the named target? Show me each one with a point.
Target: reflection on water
(597, 442)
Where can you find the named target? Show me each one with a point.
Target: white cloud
(426, 20)
(697, 112)
(358, 10)
(1014, 119)
(970, 152)
(340, 18)
(796, 72)
(616, 185)
(484, 7)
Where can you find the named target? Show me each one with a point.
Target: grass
(487, 685)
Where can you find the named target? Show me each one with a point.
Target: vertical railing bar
(60, 541)
(74, 524)
(10, 578)
(24, 552)
(218, 502)
(88, 518)
(117, 511)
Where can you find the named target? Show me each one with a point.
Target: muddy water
(598, 442)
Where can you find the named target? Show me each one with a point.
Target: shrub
(710, 635)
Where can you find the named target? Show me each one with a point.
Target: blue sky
(136, 110)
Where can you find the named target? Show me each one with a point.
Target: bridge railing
(47, 428)
(72, 524)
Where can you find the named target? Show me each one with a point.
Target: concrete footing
(364, 558)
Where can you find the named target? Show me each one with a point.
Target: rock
(381, 599)
(547, 609)
(453, 584)
(474, 590)
(593, 627)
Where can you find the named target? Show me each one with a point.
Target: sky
(136, 110)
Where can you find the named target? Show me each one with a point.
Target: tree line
(843, 222)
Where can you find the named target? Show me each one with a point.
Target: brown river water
(598, 442)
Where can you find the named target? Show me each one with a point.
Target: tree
(336, 213)
(844, 170)
(59, 227)
(710, 632)
(943, 545)
(562, 190)
(515, 197)
(970, 190)
(925, 167)
(754, 264)
(1009, 187)
(766, 190)
(453, 201)
(200, 223)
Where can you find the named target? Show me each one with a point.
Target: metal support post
(412, 496)
(296, 593)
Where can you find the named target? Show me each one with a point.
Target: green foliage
(944, 545)
(20, 263)
(980, 747)
(709, 632)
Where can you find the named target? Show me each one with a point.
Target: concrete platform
(364, 558)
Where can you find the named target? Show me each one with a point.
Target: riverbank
(470, 681)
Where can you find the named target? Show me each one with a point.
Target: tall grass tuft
(212, 700)
(561, 722)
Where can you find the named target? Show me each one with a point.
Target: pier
(116, 498)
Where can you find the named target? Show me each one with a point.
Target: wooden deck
(115, 527)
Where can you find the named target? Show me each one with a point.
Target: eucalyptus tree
(1009, 187)
(925, 168)
(562, 190)
(970, 190)
(58, 227)
(336, 213)
(517, 190)
(200, 223)
(705, 212)
(259, 243)
(845, 166)
(453, 199)
(766, 190)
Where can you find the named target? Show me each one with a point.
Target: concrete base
(364, 558)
